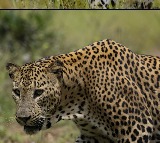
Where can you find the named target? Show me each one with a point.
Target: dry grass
(6, 4)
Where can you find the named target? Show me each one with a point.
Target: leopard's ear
(12, 70)
(56, 68)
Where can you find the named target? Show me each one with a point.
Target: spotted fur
(111, 93)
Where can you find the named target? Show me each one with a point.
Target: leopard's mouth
(32, 129)
(33, 126)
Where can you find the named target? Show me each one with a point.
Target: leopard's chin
(32, 129)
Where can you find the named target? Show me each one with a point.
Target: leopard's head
(36, 92)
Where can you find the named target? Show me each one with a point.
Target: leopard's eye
(38, 92)
(16, 92)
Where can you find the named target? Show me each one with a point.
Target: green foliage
(24, 33)
(156, 4)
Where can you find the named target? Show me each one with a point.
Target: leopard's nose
(23, 119)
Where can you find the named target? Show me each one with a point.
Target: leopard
(111, 93)
(106, 4)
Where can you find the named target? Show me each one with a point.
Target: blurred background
(29, 35)
(67, 4)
